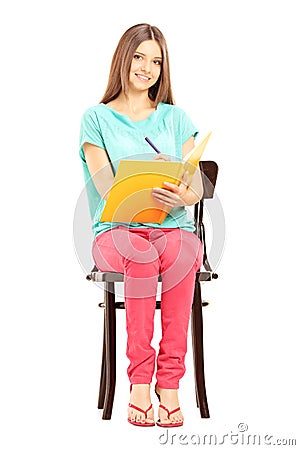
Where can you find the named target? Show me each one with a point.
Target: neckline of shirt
(136, 122)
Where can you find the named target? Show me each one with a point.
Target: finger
(165, 202)
(168, 201)
(173, 187)
(165, 193)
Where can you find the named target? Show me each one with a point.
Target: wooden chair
(209, 171)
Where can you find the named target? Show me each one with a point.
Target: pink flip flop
(172, 424)
(141, 424)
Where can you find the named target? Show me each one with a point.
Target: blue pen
(152, 145)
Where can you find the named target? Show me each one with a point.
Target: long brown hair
(121, 62)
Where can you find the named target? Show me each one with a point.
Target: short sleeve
(90, 130)
(186, 126)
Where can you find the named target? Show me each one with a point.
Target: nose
(146, 66)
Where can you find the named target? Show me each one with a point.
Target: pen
(152, 145)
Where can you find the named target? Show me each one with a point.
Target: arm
(99, 167)
(182, 195)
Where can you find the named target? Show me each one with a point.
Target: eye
(157, 62)
(138, 57)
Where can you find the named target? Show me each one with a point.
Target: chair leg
(102, 387)
(110, 349)
(197, 341)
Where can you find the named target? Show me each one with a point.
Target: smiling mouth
(142, 77)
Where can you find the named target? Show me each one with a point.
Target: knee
(142, 261)
(146, 256)
(139, 268)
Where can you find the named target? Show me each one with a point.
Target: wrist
(190, 198)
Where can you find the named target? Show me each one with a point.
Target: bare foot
(140, 397)
(169, 399)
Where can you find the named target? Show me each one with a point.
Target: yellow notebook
(130, 197)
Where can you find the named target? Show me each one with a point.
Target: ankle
(168, 396)
(139, 388)
(140, 394)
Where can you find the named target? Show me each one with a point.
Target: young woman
(138, 102)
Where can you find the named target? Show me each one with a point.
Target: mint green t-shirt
(168, 127)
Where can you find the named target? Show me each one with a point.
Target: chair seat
(115, 277)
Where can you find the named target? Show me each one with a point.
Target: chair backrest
(209, 170)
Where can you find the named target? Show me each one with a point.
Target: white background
(235, 70)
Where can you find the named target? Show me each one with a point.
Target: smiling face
(146, 66)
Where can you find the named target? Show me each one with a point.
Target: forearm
(194, 192)
(191, 197)
(103, 180)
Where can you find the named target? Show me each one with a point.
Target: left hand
(172, 195)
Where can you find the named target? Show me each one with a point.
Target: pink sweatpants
(142, 254)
